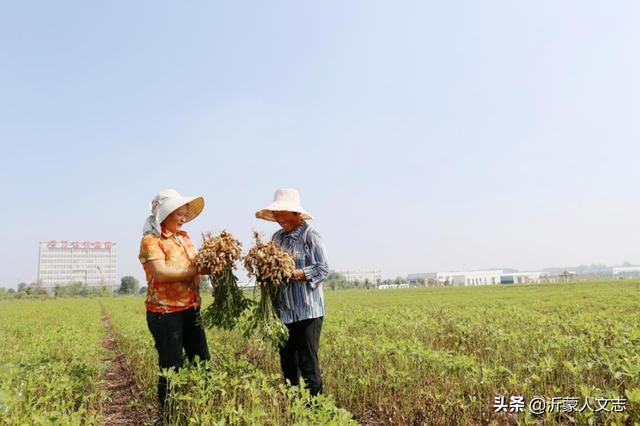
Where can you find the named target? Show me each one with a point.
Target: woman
(300, 301)
(173, 291)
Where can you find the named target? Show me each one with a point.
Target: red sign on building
(78, 244)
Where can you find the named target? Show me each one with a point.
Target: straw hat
(165, 203)
(285, 199)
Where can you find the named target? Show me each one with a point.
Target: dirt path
(125, 404)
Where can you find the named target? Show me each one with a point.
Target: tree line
(337, 281)
(128, 285)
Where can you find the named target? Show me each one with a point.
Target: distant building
(498, 276)
(461, 278)
(522, 277)
(372, 276)
(425, 276)
(391, 286)
(567, 276)
(93, 263)
(626, 271)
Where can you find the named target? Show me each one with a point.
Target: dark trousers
(299, 355)
(172, 332)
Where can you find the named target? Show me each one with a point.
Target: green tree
(143, 290)
(73, 289)
(102, 291)
(128, 285)
(336, 281)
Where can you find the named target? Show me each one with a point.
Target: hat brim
(267, 212)
(196, 205)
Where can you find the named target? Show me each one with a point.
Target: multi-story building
(93, 263)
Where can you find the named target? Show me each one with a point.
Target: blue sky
(423, 136)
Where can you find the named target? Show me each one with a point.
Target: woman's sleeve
(150, 249)
(319, 269)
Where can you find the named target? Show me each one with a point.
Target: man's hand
(298, 275)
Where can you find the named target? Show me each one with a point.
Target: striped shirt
(301, 300)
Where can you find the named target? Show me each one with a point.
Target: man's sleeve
(319, 269)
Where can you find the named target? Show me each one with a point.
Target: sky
(422, 135)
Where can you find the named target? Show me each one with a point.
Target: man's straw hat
(285, 199)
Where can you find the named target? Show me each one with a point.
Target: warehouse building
(498, 276)
(626, 271)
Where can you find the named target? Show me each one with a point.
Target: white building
(387, 286)
(424, 276)
(362, 276)
(93, 263)
(626, 271)
(522, 277)
(469, 277)
(623, 269)
(497, 276)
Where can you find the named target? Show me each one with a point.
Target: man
(300, 301)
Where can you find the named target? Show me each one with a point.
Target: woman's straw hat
(285, 199)
(165, 203)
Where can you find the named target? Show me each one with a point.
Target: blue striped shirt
(301, 300)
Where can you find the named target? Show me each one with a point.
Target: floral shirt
(177, 251)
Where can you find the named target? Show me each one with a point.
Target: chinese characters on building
(80, 244)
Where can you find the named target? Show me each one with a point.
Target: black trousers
(173, 332)
(299, 355)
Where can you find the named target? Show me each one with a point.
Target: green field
(413, 356)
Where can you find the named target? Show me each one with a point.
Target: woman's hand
(205, 271)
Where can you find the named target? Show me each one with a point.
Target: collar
(168, 234)
(295, 234)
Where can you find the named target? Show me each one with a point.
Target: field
(416, 356)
